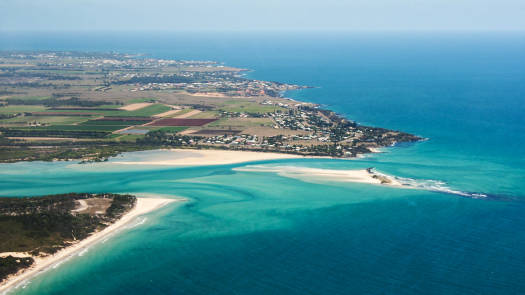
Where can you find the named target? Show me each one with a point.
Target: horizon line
(263, 31)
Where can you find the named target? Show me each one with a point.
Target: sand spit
(183, 157)
(361, 176)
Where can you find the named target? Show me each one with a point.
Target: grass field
(104, 106)
(205, 115)
(62, 120)
(139, 100)
(243, 122)
(112, 123)
(248, 107)
(181, 122)
(182, 112)
(14, 109)
(129, 137)
(33, 97)
(144, 112)
(75, 128)
(173, 129)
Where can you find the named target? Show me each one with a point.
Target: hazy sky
(262, 14)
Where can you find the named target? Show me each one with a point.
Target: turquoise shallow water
(259, 233)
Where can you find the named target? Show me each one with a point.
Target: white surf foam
(340, 176)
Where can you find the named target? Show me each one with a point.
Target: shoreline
(367, 176)
(41, 264)
(206, 157)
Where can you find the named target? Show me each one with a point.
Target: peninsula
(91, 106)
(37, 232)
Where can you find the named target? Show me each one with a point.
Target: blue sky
(174, 15)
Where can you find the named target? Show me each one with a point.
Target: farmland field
(21, 109)
(205, 115)
(144, 112)
(182, 122)
(63, 120)
(139, 100)
(242, 122)
(123, 119)
(112, 123)
(249, 107)
(172, 129)
(135, 131)
(32, 97)
(148, 111)
(76, 128)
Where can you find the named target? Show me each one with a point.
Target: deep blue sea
(245, 232)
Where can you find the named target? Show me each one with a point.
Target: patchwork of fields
(181, 122)
(93, 122)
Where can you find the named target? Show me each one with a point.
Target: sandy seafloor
(268, 227)
(252, 221)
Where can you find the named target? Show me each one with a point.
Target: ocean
(259, 232)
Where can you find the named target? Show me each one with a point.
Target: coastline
(187, 157)
(143, 206)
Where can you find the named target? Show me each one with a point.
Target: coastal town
(91, 106)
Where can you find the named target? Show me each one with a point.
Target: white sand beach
(184, 157)
(316, 174)
(143, 206)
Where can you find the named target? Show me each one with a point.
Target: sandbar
(316, 174)
(184, 157)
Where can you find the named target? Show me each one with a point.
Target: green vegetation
(251, 114)
(56, 101)
(47, 224)
(43, 132)
(112, 123)
(10, 109)
(249, 107)
(129, 138)
(242, 122)
(157, 79)
(203, 115)
(11, 265)
(95, 150)
(32, 97)
(144, 112)
(62, 120)
(79, 127)
(139, 100)
(172, 129)
(183, 111)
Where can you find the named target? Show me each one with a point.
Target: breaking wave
(369, 175)
(435, 186)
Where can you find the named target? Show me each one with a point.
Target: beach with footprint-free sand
(182, 157)
(41, 264)
(186, 157)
